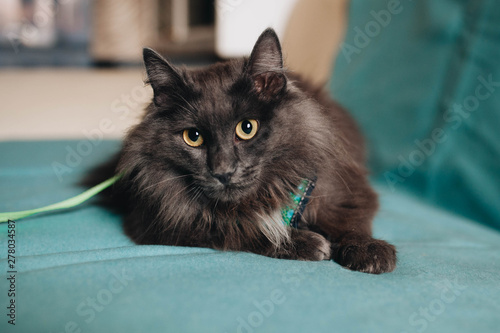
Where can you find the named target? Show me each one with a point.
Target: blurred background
(68, 64)
(420, 77)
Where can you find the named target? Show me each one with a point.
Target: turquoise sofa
(436, 170)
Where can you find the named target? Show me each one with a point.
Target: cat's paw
(365, 254)
(309, 246)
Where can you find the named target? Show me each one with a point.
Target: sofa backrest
(422, 78)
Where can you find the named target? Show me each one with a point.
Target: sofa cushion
(78, 272)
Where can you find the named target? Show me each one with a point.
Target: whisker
(216, 202)
(185, 101)
(163, 181)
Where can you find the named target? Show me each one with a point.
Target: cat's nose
(224, 178)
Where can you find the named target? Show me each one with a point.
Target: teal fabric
(401, 76)
(423, 80)
(78, 272)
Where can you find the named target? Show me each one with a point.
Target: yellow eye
(246, 129)
(192, 137)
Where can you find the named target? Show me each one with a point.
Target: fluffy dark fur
(227, 193)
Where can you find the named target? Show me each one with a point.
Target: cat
(219, 150)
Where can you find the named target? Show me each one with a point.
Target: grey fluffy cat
(219, 150)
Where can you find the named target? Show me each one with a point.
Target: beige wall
(67, 103)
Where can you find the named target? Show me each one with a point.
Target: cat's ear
(265, 66)
(162, 76)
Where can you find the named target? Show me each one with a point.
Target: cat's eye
(246, 129)
(192, 137)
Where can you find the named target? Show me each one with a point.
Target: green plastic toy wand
(68, 203)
